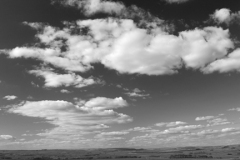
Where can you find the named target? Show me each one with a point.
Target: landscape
(231, 152)
(119, 79)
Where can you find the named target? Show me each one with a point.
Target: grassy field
(188, 153)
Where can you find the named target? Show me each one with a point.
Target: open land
(210, 152)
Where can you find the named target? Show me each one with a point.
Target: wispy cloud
(71, 119)
(10, 97)
(170, 124)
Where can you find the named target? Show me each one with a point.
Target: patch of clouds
(116, 9)
(225, 15)
(10, 97)
(6, 137)
(137, 93)
(119, 44)
(217, 121)
(56, 80)
(90, 7)
(204, 118)
(64, 91)
(227, 64)
(235, 109)
(170, 124)
(70, 119)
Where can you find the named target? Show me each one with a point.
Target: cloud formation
(121, 45)
(6, 137)
(224, 15)
(204, 118)
(71, 119)
(170, 124)
(90, 7)
(10, 97)
(226, 64)
(137, 93)
(56, 80)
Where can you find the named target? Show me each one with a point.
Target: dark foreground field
(188, 153)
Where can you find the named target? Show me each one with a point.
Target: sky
(78, 74)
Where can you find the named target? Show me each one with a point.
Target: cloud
(204, 118)
(176, 1)
(56, 80)
(115, 9)
(213, 120)
(226, 64)
(91, 7)
(6, 137)
(235, 109)
(71, 119)
(64, 91)
(183, 128)
(224, 15)
(217, 121)
(119, 44)
(137, 93)
(170, 124)
(10, 97)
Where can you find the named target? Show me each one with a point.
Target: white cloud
(109, 134)
(64, 91)
(6, 137)
(137, 93)
(170, 124)
(117, 9)
(71, 119)
(235, 109)
(56, 80)
(10, 97)
(217, 121)
(183, 128)
(121, 45)
(204, 118)
(224, 15)
(91, 7)
(176, 1)
(226, 64)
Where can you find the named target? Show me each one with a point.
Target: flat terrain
(188, 153)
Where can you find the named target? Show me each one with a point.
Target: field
(188, 153)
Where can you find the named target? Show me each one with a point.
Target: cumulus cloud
(224, 15)
(170, 124)
(56, 80)
(10, 97)
(121, 45)
(182, 128)
(115, 9)
(204, 118)
(90, 7)
(226, 64)
(137, 93)
(6, 137)
(64, 91)
(71, 119)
